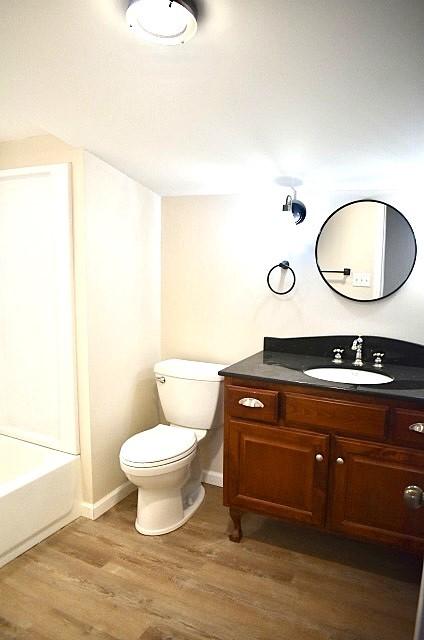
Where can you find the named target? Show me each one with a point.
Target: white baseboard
(95, 510)
(213, 477)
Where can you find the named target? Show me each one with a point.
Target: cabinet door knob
(413, 497)
(319, 457)
(254, 403)
(339, 461)
(418, 427)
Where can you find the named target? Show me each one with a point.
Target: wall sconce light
(296, 208)
(165, 22)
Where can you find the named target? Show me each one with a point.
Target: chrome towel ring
(284, 264)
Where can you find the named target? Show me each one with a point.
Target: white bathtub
(39, 494)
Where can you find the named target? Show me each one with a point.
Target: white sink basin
(352, 376)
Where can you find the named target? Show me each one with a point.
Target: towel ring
(284, 265)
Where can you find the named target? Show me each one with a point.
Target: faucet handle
(357, 343)
(337, 356)
(378, 362)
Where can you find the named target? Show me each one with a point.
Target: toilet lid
(162, 444)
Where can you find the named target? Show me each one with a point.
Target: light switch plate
(361, 279)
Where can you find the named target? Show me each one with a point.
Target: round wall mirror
(366, 250)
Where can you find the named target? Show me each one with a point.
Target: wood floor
(102, 580)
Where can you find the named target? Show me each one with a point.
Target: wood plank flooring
(102, 580)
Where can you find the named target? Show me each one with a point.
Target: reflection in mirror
(366, 250)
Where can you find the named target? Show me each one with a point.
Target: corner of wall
(92, 511)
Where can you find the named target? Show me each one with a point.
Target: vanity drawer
(402, 433)
(353, 418)
(252, 404)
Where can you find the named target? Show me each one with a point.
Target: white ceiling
(319, 89)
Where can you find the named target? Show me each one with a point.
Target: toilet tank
(191, 393)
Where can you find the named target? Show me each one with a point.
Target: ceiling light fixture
(165, 22)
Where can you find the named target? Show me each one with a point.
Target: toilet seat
(158, 446)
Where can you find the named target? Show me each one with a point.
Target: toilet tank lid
(189, 370)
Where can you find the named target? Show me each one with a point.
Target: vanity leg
(237, 533)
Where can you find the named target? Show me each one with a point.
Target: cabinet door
(367, 487)
(276, 471)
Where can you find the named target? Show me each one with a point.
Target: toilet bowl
(158, 462)
(162, 462)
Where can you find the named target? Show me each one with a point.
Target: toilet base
(192, 506)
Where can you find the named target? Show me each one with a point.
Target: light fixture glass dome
(165, 22)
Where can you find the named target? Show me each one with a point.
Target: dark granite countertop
(285, 359)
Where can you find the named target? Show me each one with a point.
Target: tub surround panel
(38, 400)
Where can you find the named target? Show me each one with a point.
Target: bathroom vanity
(347, 458)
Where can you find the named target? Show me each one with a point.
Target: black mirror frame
(333, 214)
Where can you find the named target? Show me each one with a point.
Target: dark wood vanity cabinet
(330, 459)
(366, 498)
(274, 471)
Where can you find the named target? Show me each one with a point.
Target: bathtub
(39, 494)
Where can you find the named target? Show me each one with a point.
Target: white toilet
(162, 461)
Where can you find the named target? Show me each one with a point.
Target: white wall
(123, 305)
(217, 251)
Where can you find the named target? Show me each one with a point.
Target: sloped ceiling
(323, 90)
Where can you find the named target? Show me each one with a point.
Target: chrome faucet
(357, 346)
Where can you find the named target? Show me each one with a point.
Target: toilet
(163, 462)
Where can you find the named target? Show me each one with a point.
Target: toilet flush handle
(160, 379)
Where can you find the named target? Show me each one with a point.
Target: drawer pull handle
(413, 497)
(339, 461)
(251, 402)
(319, 457)
(418, 427)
